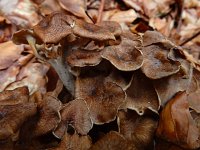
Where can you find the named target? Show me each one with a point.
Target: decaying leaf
(20, 12)
(9, 54)
(176, 123)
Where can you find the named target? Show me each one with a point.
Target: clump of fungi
(115, 85)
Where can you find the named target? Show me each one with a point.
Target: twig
(189, 39)
(101, 7)
(89, 16)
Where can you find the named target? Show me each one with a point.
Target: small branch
(189, 39)
(89, 16)
(101, 7)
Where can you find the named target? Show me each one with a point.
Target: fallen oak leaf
(176, 123)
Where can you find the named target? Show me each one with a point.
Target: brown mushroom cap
(74, 142)
(139, 130)
(49, 115)
(167, 87)
(112, 141)
(88, 30)
(152, 37)
(54, 27)
(194, 101)
(16, 96)
(112, 26)
(77, 114)
(20, 37)
(141, 94)
(15, 109)
(102, 98)
(82, 58)
(156, 64)
(125, 56)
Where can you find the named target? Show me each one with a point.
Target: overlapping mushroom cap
(115, 77)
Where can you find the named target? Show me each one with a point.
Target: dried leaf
(9, 54)
(76, 7)
(176, 123)
(34, 82)
(20, 12)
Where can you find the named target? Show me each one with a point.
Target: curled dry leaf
(138, 130)
(91, 31)
(119, 16)
(9, 54)
(74, 142)
(76, 113)
(102, 98)
(76, 7)
(54, 27)
(176, 123)
(82, 58)
(18, 109)
(112, 140)
(32, 75)
(141, 94)
(125, 56)
(8, 76)
(20, 12)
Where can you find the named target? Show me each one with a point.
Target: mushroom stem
(32, 42)
(60, 67)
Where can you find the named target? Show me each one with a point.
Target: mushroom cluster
(111, 77)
